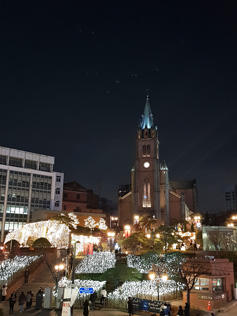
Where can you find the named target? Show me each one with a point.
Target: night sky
(73, 85)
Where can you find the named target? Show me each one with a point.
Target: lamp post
(112, 219)
(152, 276)
(74, 243)
(58, 268)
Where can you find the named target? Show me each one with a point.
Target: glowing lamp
(152, 276)
(164, 277)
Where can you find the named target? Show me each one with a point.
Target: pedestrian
(93, 298)
(162, 313)
(40, 291)
(180, 311)
(103, 294)
(4, 292)
(11, 304)
(86, 308)
(22, 300)
(186, 309)
(27, 272)
(169, 309)
(166, 310)
(39, 298)
(28, 299)
(130, 306)
(31, 294)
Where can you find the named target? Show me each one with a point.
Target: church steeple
(146, 127)
(147, 117)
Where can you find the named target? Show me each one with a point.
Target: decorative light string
(99, 262)
(96, 285)
(10, 266)
(140, 288)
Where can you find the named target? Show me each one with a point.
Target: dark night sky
(74, 78)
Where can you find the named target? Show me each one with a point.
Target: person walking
(27, 272)
(162, 313)
(22, 300)
(186, 309)
(28, 299)
(130, 306)
(4, 292)
(93, 298)
(103, 294)
(180, 311)
(86, 308)
(11, 304)
(31, 298)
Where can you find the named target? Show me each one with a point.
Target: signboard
(146, 305)
(66, 311)
(86, 290)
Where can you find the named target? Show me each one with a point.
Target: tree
(167, 236)
(216, 237)
(135, 241)
(190, 271)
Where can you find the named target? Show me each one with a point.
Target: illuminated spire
(147, 117)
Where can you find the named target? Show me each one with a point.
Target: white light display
(96, 285)
(75, 222)
(138, 288)
(143, 265)
(99, 262)
(56, 233)
(91, 223)
(102, 224)
(10, 266)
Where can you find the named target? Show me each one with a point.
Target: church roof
(163, 166)
(147, 117)
(74, 186)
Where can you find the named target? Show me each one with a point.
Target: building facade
(27, 184)
(230, 197)
(150, 191)
(214, 288)
(76, 198)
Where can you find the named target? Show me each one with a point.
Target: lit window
(146, 194)
(58, 178)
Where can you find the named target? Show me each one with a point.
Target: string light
(99, 262)
(139, 288)
(10, 266)
(96, 285)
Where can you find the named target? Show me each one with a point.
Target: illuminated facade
(27, 184)
(151, 192)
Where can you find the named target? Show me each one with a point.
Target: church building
(150, 191)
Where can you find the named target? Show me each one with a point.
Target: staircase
(44, 279)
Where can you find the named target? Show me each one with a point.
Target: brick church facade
(150, 191)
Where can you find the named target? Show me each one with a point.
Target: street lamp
(58, 268)
(152, 276)
(112, 219)
(74, 242)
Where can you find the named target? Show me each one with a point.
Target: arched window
(144, 151)
(148, 151)
(146, 194)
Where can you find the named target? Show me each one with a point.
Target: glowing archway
(56, 233)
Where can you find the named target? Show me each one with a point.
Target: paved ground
(77, 312)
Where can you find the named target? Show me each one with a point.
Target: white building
(27, 184)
